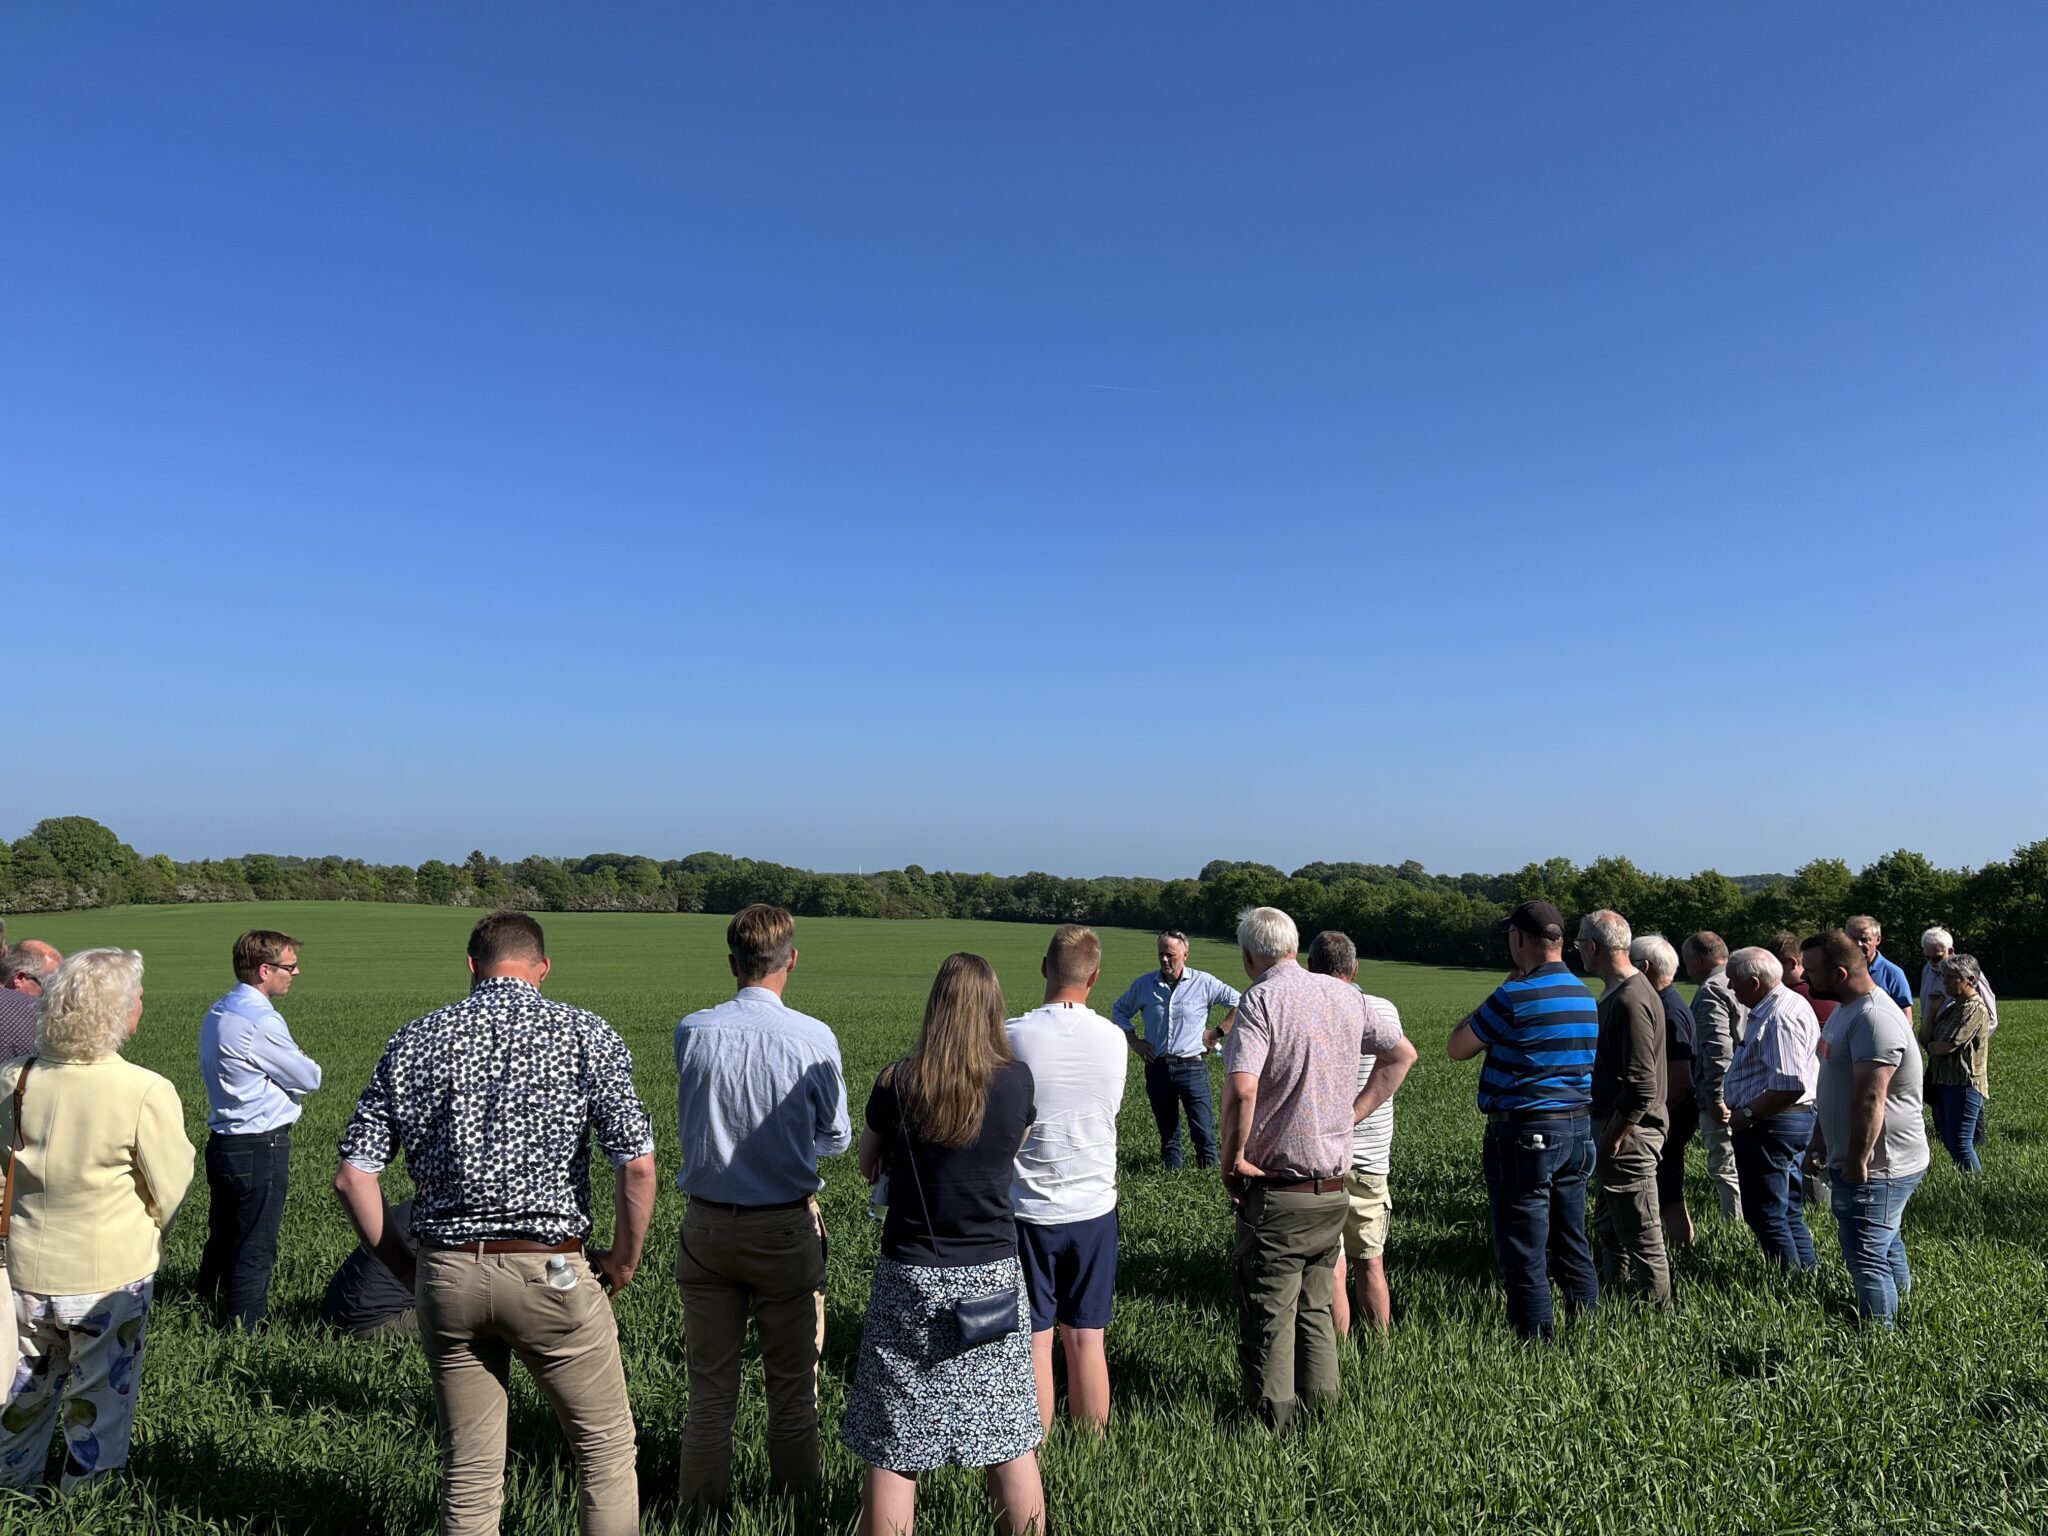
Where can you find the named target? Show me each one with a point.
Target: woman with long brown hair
(945, 1375)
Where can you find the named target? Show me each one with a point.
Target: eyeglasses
(293, 968)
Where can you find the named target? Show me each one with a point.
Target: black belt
(1517, 1116)
(1284, 1185)
(741, 1210)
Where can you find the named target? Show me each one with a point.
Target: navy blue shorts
(1069, 1271)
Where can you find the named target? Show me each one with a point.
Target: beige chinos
(476, 1311)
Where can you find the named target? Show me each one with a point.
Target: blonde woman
(102, 1165)
(945, 1124)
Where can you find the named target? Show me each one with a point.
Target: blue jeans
(1536, 1173)
(1867, 1217)
(1174, 1081)
(1958, 1113)
(1767, 1167)
(246, 1178)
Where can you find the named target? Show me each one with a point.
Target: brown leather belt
(1301, 1186)
(508, 1245)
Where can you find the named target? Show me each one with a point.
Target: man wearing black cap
(1538, 1032)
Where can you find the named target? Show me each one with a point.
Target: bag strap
(20, 1141)
(902, 1137)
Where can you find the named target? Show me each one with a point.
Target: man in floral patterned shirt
(495, 1101)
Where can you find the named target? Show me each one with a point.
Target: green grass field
(1759, 1407)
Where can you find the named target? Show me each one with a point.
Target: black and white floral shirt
(494, 1101)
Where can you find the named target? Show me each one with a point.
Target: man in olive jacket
(1629, 1089)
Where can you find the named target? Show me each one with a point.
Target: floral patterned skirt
(920, 1399)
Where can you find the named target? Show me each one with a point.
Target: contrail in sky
(1125, 389)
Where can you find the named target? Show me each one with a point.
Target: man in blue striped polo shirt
(1538, 1032)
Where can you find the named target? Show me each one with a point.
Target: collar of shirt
(245, 998)
(762, 995)
(502, 984)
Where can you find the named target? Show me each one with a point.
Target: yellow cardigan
(103, 1170)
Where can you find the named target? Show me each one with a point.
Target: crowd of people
(991, 1151)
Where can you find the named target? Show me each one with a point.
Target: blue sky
(1097, 439)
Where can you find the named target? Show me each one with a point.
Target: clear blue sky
(1096, 439)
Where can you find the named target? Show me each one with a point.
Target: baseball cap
(1538, 919)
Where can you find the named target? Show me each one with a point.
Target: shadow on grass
(223, 1481)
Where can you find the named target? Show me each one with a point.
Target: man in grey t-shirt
(1872, 1136)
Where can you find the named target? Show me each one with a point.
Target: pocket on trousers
(553, 1315)
(1537, 1157)
(238, 1165)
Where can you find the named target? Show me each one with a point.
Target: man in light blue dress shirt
(255, 1075)
(1174, 1003)
(760, 1097)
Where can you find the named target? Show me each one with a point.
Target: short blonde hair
(86, 1006)
(1074, 955)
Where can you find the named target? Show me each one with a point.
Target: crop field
(1757, 1407)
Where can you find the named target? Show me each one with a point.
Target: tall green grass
(1758, 1407)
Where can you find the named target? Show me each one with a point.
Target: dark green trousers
(1287, 1246)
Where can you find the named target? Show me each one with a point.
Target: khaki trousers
(476, 1311)
(771, 1263)
(1629, 1221)
(1720, 1144)
(1286, 1282)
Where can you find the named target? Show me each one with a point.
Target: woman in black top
(945, 1124)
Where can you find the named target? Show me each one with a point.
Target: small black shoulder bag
(980, 1319)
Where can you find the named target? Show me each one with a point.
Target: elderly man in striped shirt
(1767, 1103)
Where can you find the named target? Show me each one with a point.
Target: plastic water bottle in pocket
(878, 1200)
(560, 1275)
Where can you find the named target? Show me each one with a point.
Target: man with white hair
(1767, 1102)
(1718, 1021)
(1290, 1102)
(23, 971)
(1629, 1089)
(1868, 933)
(1652, 954)
(1937, 944)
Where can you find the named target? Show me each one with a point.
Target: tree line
(1393, 912)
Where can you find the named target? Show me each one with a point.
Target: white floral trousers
(81, 1359)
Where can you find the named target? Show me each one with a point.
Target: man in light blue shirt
(1868, 933)
(1174, 1003)
(255, 1075)
(760, 1097)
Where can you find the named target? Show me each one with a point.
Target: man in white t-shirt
(1064, 1193)
(1361, 1269)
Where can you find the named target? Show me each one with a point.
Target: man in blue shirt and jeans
(255, 1075)
(760, 1097)
(1538, 1032)
(1174, 1003)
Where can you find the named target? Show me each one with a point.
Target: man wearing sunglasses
(255, 1075)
